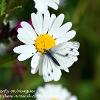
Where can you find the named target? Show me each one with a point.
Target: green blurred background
(83, 80)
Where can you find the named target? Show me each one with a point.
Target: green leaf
(2, 7)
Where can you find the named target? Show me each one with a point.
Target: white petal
(61, 61)
(41, 65)
(73, 98)
(66, 70)
(48, 75)
(40, 24)
(66, 37)
(73, 58)
(57, 23)
(76, 45)
(65, 62)
(52, 19)
(50, 70)
(52, 4)
(57, 1)
(25, 49)
(41, 5)
(35, 62)
(24, 36)
(67, 51)
(46, 22)
(65, 45)
(29, 28)
(56, 71)
(64, 29)
(24, 56)
(46, 70)
(37, 22)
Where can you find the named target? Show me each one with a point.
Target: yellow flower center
(44, 42)
(53, 98)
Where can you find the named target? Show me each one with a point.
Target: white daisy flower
(42, 5)
(53, 92)
(47, 42)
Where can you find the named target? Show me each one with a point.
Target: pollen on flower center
(44, 42)
(53, 98)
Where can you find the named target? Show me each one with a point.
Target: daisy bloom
(53, 92)
(47, 42)
(42, 5)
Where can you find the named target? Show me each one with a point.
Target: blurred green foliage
(83, 79)
(2, 7)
